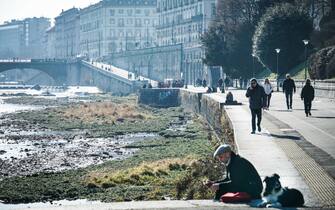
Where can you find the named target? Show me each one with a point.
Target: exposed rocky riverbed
(101, 147)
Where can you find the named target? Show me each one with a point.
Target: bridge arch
(56, 70)
(30, 76)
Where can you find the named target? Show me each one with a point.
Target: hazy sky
(20, 9)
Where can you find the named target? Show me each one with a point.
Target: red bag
(235, 197)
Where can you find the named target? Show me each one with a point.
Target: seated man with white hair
(241, 175)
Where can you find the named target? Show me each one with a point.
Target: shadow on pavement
(322, 117)
(285, 136)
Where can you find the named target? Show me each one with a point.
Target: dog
(276, 196)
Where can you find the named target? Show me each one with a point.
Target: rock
(2, 152)
(120, 119)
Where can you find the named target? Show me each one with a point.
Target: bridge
(79, 72)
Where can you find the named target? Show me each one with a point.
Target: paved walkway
(299, 149)
(262, 150)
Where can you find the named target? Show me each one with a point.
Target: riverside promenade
(299, 149)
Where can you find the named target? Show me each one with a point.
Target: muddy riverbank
(103, 148)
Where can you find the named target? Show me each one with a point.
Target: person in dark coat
(307, 94)
(241, 175)
(220, 83)
(257, 101)
(289, 89)
(204, 83)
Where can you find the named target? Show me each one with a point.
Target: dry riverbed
(103, 148)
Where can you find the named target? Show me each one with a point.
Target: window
(112, 21)
(120, 11)
(111, 12)
(130, 21)
(120, 22)
(129, 11)
(146, 21)
(213, 10)
(138, 23)
(147, 12)
(138, 11)
(112, 34)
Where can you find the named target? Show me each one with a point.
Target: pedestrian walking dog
(276, 196)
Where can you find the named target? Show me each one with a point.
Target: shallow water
(25, 152)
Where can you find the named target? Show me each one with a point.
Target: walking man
(257, 101)
(307, 94)
(289, 89)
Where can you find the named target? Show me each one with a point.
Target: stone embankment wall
(206, 105)
(159, 97)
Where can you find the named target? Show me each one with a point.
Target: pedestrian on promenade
(241, 175)
(204, 83)
(257, 101)
(220, 83)
(268, 92)
(226, 83)
(289, 89)
(307, 94)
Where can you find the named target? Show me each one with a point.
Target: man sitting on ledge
(230, 99)
(241, 175)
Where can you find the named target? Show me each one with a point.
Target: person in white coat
(268, 92)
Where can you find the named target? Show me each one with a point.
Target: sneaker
(259, 129)
(252, 132)
(306, 114)
(310, 114)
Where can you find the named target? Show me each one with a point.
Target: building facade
(50, 42)
(23, 38)
(112, 26)
(67, 34)
(184, 21)
(11, 40)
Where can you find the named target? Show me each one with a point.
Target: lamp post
(253, 65)
(305, 41)
(277, 51)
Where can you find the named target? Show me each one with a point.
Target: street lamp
(277, 51)
(305, 41)
(253, 64)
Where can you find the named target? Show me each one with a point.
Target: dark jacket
(307, 92)
(257, 97)
(289, 86)
(242, 177)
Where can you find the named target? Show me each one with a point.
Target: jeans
(254, 113)
(268, 98)
(289, 99)
(308, 106)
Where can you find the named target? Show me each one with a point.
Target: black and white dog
(276, 196)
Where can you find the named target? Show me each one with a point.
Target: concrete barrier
(191, 101)
(209, 106)
(159, 97)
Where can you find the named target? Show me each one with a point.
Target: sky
(20, 9)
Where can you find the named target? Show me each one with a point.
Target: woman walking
(307, 94)
(268, 92)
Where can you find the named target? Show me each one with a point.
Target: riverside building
(184, 21)
(112, 26)
(23, 38)
(67, 34)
